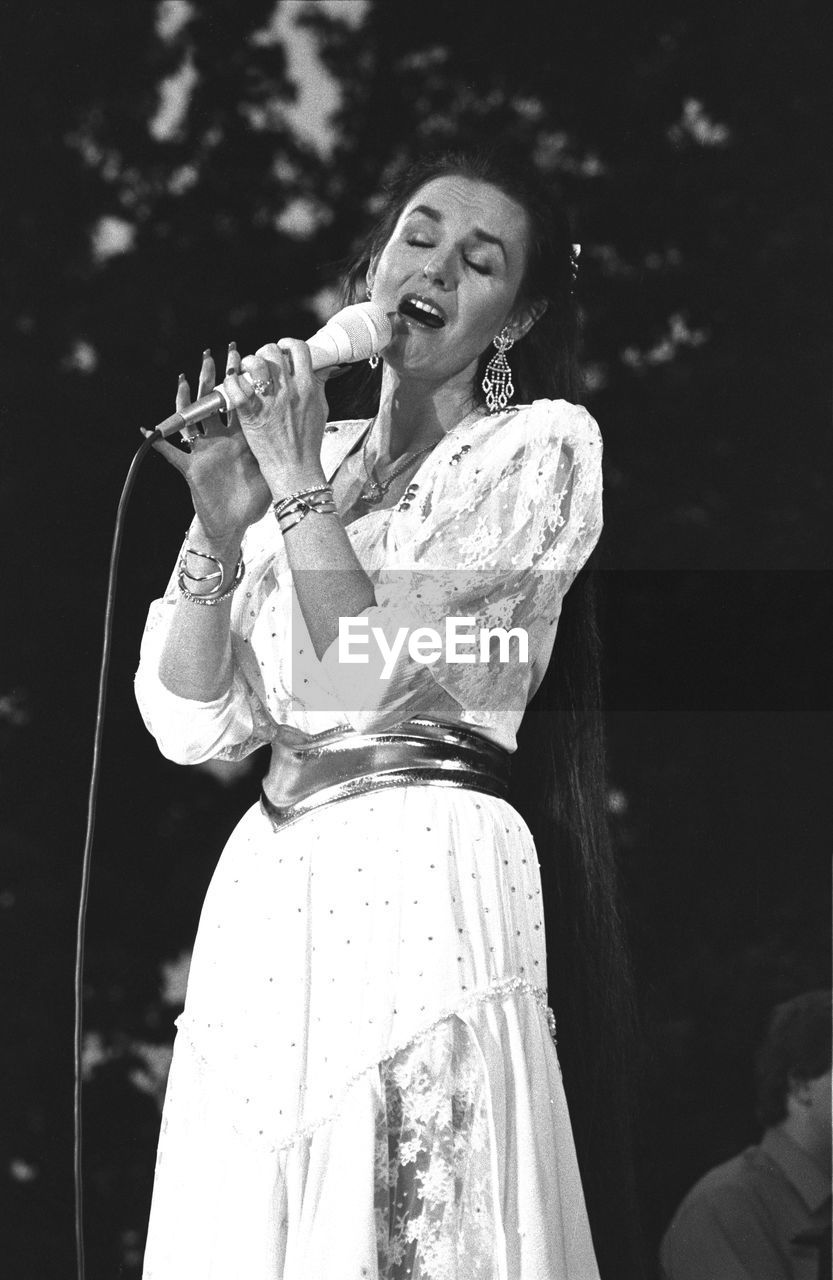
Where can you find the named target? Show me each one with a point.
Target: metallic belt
(337, 765)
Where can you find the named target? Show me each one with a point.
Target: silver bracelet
(294, 515)
(292, 510)
(279, 503)
(208, 577)
(220, 572)
(319, 511)
(215, 596)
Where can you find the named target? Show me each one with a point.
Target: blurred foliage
(158, 198)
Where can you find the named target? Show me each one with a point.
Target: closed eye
(418, 241)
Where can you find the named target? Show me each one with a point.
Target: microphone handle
(214, 402)
(353, 334)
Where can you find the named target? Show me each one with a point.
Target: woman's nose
(437, 270)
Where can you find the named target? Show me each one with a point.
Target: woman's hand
(282, 410)
(227, 488)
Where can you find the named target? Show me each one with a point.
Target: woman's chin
(407, 357)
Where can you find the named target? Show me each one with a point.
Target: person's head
(485, 243)
(793, 1062)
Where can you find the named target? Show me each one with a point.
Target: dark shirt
(741, 1220)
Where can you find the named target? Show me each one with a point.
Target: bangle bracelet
(206, 577)
(212, 597)
(322, 506)
(279, 503)
(295, 514)
(292, 510)
(319, 511)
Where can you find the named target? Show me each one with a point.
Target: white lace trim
(496, 992)
(436, 1198)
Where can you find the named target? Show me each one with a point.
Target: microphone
(356, 333)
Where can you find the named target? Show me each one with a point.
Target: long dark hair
(559, 774)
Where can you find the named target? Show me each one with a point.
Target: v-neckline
(356, 445)
(426, 460)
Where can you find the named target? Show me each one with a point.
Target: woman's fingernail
(206, 355)
(232, 346)
(182, 377)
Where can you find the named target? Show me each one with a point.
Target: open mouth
(422, 311)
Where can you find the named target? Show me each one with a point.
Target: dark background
(690, 139)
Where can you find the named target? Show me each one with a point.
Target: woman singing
(365, 1080)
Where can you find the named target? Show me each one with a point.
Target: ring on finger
(262, 386)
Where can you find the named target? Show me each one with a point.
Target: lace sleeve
(495, 547)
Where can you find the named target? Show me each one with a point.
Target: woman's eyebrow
(426, 211)
(477, 232)
(487, 238)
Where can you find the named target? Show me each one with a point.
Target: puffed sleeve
(189, 732)
(482, 566)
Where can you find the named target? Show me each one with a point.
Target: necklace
(375, 489)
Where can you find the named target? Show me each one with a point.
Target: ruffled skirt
(364, 1081)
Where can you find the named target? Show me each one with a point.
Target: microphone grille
(357, 332)
(367, 326)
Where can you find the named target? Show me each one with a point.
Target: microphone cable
(92, 798)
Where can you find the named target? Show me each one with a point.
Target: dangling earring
(373, 360)
(497, 383)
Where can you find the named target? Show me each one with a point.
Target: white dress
(365, 1080)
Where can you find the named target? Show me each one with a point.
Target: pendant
(372, 493)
